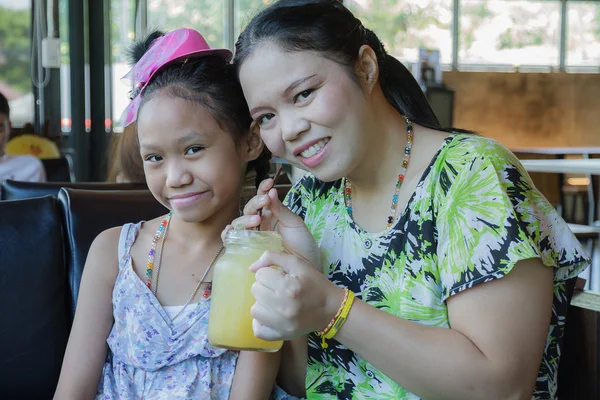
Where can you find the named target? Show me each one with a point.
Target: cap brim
(223, 53)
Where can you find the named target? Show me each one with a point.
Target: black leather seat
(14, 190)
(57, 169)
(33, 302)
(87, 213)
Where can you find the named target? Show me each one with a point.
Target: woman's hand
(297, 239)
(293, 300)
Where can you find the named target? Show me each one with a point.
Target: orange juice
(230, 322)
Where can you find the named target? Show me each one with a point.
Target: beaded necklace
(407, 149)
(161, 232)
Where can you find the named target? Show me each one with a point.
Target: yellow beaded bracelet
(340, 317)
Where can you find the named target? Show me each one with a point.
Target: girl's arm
(292, 372)
(86, 349)
(255, 375)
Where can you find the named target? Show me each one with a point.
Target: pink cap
(176, 45)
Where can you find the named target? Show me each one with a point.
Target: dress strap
(128, 234)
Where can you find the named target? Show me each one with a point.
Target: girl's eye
(153, 158)
(263, 119)
(193, 150)
(303, 95)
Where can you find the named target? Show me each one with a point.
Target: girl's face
(310, 111)
(192, 165)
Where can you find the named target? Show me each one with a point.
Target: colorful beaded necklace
(407, 149)
(161, 232)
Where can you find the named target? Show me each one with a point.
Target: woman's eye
(153, 158)
(263, 119)
(303, 95)
(193, 150)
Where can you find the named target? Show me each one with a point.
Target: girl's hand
(297, 239)
(293, 300)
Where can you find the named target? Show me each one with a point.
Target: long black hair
(330, 29)
(209, 81)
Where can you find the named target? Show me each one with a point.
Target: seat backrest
(33, 298)
(14, 190)
(87, 213)
(57, 169)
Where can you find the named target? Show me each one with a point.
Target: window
(245, 10)
(122, 24)
(405, 25)
(583, 34)
(206, 16)
(15, 56)
(513, 32)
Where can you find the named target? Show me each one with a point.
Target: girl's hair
(125, 159)
(210, 82)
(330, 29)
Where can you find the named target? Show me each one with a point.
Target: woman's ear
(254, 144)
(367, 68)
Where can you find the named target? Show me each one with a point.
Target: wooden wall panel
(528, 109)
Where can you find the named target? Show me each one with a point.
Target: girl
(146, 286)
(444, 268)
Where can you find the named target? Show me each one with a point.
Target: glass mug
(230, 322)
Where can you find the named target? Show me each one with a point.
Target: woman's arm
(86, 350)
(255, 374)
(492, 351)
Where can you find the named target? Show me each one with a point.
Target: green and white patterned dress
(474, 214)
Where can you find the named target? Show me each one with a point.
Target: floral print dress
(152, 357)
(474, 214)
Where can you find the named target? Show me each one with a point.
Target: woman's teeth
(314, 149)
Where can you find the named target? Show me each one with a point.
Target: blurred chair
(87, 213)
(58, 169)
(14, 190)
(33, 300)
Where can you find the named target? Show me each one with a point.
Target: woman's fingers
(256, 203)
(246, 222)
(264, 332)
(271, 278)
(265, 186)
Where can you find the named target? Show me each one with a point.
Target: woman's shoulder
(465, 149)
(472, 145)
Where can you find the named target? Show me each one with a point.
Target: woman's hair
(125, 163)
(330, 29)
(208, 81)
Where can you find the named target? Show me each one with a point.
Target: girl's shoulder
(138, 238)
(149, 227)
(107, 240)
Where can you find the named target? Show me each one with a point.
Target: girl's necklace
(407, 149)
(161, 235)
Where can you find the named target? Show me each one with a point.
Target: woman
(456, 263)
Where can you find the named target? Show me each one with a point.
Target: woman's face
(309, 109)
